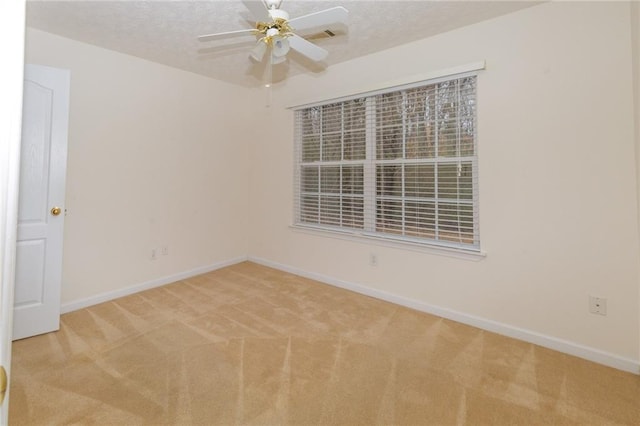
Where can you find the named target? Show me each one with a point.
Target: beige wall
(558, 210)
(157, 156)
(635, 46)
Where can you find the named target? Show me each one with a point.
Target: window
(398, 164)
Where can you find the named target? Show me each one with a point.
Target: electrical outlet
(597, 305)
(154, 254)
(373, 259)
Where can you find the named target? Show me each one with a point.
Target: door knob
(56, 211)
(3, 383)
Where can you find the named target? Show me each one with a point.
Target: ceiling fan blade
(258, 9)
(257, 54)
(228, 34)
(306, 48)
(335, 15)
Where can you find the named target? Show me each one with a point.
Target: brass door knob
(3, 383)
(56, 211)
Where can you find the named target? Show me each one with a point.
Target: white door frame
(12, 29)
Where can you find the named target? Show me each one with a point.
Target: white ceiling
(166, 31)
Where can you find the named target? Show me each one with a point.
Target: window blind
(400, 164)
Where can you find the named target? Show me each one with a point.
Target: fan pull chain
(268, 85)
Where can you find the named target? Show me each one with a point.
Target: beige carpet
(250, 345)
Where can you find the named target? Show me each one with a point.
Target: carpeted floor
(251, 345)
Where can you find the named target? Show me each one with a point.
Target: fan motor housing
(278, 14)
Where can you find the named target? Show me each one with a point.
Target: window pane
(389, 180)
(467, 116)
(389, 143)
(310, 121)
(353, 180)
(389, 216)
(353, 212)
(465, 181)
(330, 179)
(355, 147)
(389, 120)
(330, 210)
(332, 132)
(309, 209)
(420, 123)
(447, 118)
(419, 180)
(420, 219)
(414, 127)
(331, 147)
(309, 179)
(355, 114)
(455, 181)
(389, 109)
(415, 104)
(310, 148)
(430, 121)
(418, 144)
(455, 222)
(332, 118)
(448, 181)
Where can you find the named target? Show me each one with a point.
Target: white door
(43, 163)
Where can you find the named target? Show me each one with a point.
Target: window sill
(458, 253)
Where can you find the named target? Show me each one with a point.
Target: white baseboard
(560, 345)
(110, 295)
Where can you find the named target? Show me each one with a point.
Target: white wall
(558, 209)
(157, 156)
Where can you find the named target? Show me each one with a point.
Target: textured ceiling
(166, 31)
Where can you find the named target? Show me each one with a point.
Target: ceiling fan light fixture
(275, 60)
(280, 46)
(258, 52)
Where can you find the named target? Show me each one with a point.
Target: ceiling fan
(276, 33)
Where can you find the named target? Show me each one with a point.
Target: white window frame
(370, 189)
